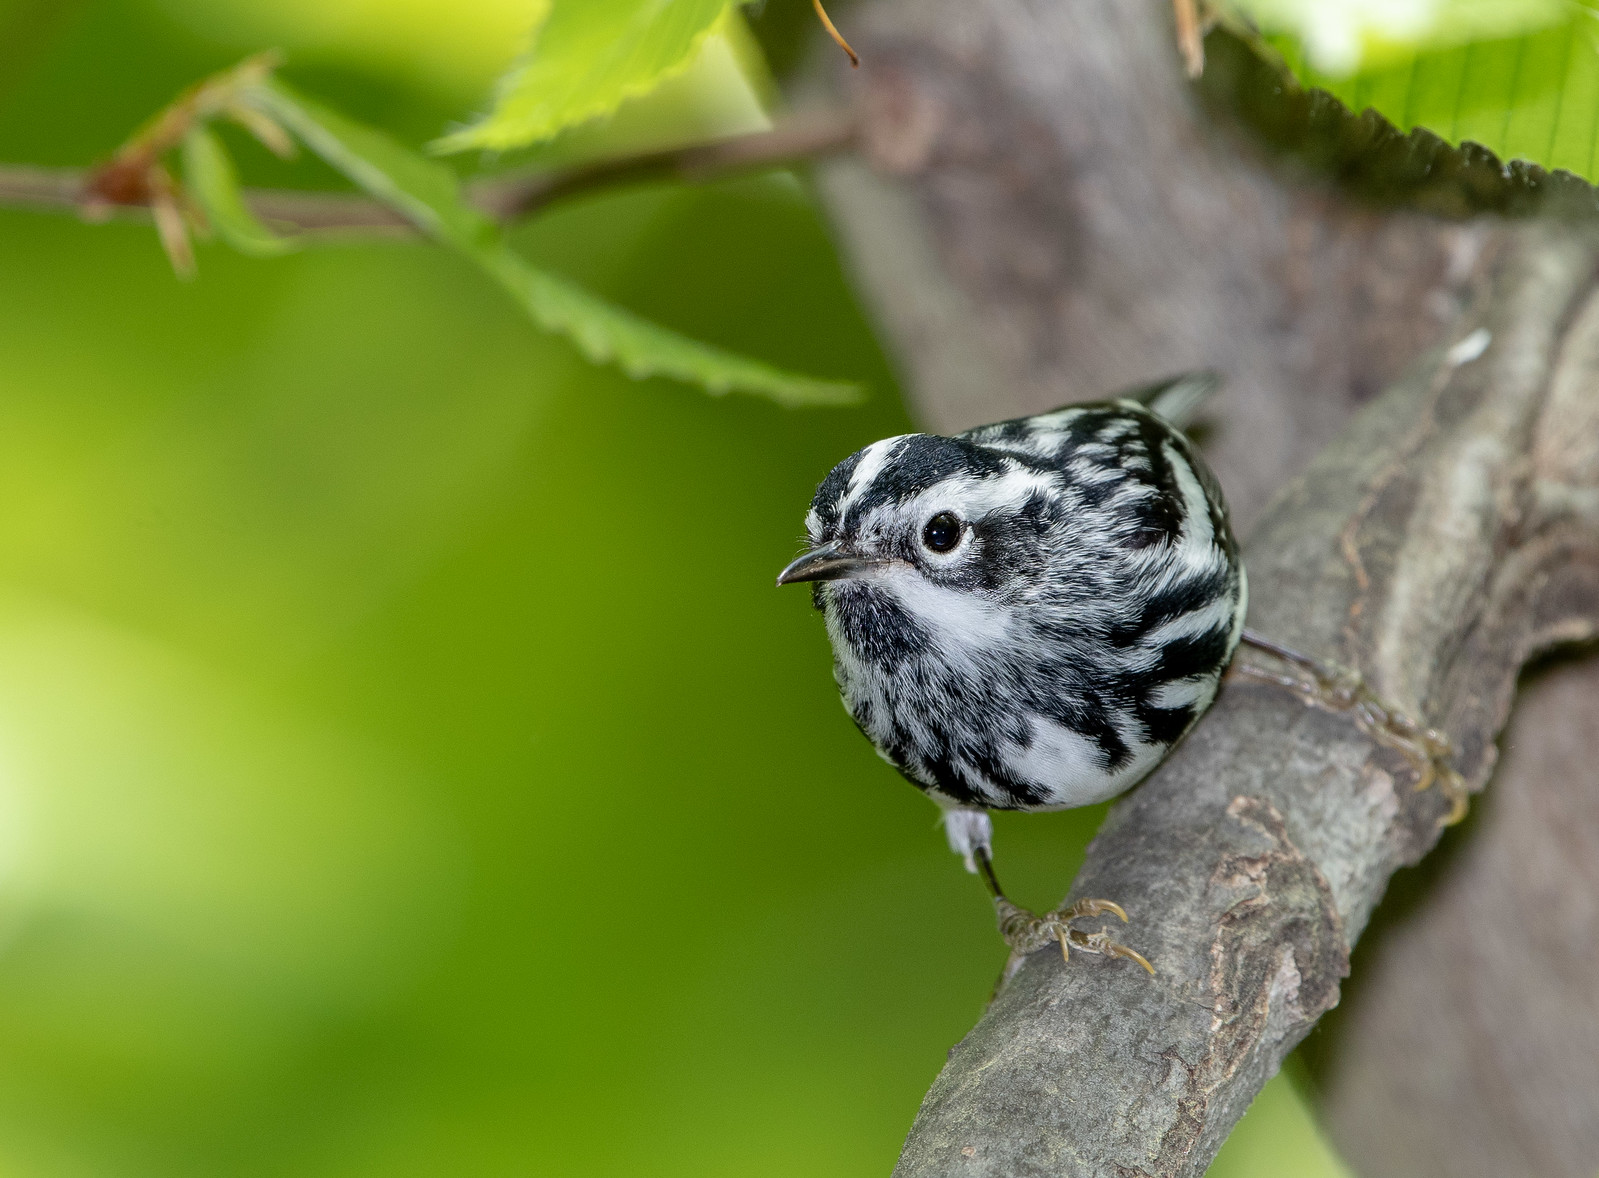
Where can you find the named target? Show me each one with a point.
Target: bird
(1029, 615)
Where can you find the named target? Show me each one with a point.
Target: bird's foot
(1026, 931)
(1339, 689)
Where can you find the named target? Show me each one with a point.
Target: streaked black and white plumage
(1031, 614)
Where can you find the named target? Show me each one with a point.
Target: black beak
(825, 564)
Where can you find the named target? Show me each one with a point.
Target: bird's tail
(1177, 399)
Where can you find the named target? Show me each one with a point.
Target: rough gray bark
(1470, 1043)
(1043, 211)
(1449, 533)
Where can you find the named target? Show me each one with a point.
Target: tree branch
(1468, 1042)
(1449, 534)
(507, 198)
(1044, 212)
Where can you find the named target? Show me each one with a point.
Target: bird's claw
(1026, 931)
(1100, 942)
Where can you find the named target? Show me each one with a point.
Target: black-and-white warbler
(1031, 614)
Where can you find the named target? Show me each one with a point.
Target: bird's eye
(942, 532)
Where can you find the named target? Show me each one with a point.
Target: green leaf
(606, 333)
(1519, 77)
(427, 193)
(208, 174)
(587, 59)
(423, 191)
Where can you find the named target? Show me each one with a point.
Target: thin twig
(26, 187)
(799, 138)
(506, 198)
(838, 37)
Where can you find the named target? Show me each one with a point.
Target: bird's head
(932, 521)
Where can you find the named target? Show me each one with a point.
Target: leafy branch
(137, 174)
(408, 192)
(505, 198)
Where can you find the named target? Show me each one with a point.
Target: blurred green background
(406, 764)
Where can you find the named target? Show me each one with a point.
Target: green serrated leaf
(608, 334)
(423, 191)
(588, 58)
(426, 193)
(1531, 95)
(209, 175)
